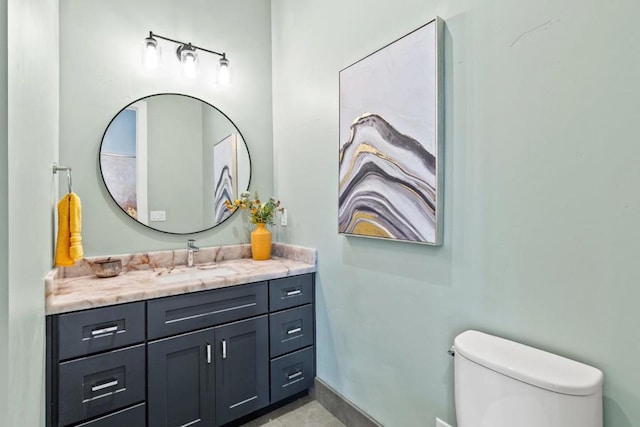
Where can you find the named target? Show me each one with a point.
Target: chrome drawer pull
(292, 293)
(104, 330)
(224, 349)
(296, 375)
(293, 331)
(208, 353)
(103, 386)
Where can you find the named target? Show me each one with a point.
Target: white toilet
(500, 383)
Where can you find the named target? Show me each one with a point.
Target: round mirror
(170, 161)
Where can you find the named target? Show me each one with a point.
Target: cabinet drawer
(290, 292)
(184, 313)
(291, 374)
(100, 329)
(290, 330)
(130, 417)
(97, 385)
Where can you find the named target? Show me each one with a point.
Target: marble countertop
(159, 274)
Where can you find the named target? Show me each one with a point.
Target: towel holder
(57, 168)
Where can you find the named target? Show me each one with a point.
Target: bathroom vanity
(179, 346)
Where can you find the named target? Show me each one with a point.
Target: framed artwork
(224, 176)
(390, 173)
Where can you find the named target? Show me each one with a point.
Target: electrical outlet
(283, 218)
(157, 216)
(440, 423)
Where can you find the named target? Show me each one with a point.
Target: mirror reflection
(170, 161)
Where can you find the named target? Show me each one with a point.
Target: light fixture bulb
(150, 53)
(189, 60)
(224, 72)
(189, 64)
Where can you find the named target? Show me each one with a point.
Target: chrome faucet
(191, 248)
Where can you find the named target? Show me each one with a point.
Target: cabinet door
(242, 368)
(181, 386)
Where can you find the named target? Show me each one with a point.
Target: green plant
(259, 212)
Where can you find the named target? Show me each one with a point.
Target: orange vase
(261, 243)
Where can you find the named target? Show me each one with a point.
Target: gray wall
(541, 201)
(4, 212)
(32, 106)
(174, 126)
(108, 75)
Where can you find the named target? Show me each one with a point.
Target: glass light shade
(189, 61)
(150, 53)
(223, 77)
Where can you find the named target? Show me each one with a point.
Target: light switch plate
(283, 218)
(157, 216)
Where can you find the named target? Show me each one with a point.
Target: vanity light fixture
(187, 56)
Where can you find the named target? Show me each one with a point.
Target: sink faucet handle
(191, 245)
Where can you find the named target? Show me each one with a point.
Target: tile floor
(304, 412)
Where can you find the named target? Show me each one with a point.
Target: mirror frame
(187, 96)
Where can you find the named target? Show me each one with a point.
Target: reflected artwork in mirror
(170, 161)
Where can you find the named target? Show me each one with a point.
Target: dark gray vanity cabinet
(200, 359)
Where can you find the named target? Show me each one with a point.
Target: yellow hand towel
(69, 243)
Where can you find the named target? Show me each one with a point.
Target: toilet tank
(501, 383)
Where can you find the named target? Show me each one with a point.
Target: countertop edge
(104, 293)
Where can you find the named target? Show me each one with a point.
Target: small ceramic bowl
(107, 267)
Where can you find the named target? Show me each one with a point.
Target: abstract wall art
(390, 174)
(225, 176)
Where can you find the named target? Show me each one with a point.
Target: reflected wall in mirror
(170, 161)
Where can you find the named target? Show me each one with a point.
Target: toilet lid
(529, 365)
